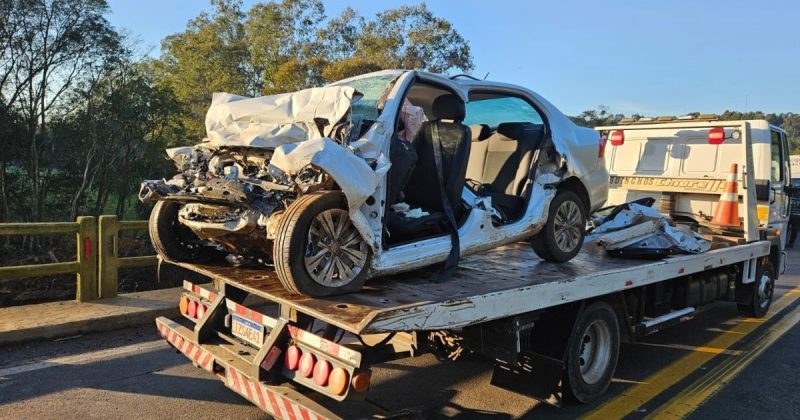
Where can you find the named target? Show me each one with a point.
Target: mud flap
(537, 376)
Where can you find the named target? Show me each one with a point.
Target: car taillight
(601, 148)
(617, 138)
(716, 135)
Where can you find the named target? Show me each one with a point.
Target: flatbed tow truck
(553, 330)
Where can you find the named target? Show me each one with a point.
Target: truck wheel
(318, 251)
(758, 296)
(561, 237)
(171, 239)
(592, 353)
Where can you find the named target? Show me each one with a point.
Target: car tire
(592, 353)
(171, 239)
(757, 297)
(315, 258)
(562, 236)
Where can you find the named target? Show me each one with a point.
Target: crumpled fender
(352, 173)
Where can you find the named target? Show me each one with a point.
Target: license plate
(247, 330)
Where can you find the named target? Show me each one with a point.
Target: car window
(373, 90)
(776, 152)
(493, 111)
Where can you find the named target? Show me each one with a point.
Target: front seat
(422, 189)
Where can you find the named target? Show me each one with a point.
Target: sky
(652, 57)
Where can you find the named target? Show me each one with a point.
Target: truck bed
(503, 282)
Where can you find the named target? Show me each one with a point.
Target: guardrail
(97, 262)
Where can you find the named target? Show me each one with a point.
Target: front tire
(170, 238)
(562, 236)
(318, 251)
(592, 353)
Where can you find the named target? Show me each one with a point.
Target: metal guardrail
(97, 262)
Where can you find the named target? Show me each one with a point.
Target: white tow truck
(553, 329)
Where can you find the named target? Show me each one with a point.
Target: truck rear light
(716, 135)
(617, 138)
(201, 310)
(338, 381)
(292, 358)
(184, 305)
(360, 382)
(307, 362)
(321, 372)
(601, 148)
(192, 310)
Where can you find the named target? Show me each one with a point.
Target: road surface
(717, 366)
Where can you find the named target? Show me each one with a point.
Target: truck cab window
(776, 150)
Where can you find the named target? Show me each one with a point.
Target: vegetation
(84, 116)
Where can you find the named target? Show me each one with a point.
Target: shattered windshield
(373, 90)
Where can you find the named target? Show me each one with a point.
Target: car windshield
(373, 90)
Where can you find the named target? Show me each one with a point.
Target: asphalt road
(699, 369)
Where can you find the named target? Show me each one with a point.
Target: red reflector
(192, 311)
(307, 364)
(321, 372)
(292, 358)
(716, 135)
(617, 138)
(87, 247)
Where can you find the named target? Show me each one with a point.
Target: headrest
(480, 132)
(448, 107)
(516, 130)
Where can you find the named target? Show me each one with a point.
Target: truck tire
(592, 353)
(171, 239)
(757, 298)
(318, 251)
(562, 236)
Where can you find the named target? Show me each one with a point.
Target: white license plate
(247, 330)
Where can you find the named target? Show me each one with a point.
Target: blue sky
(646, 56)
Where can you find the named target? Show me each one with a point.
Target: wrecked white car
(381, 173)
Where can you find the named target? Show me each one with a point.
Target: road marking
(638, 395)
(703, 349)
(688, 400)
(81, 359)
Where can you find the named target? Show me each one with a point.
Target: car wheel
(171, 239)
(318, 250)
(561, 237)
(758, 297)
(592, 353)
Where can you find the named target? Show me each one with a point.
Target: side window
(498, 109)
(777, 153)
(786, 159)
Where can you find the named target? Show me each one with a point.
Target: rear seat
(501, 163)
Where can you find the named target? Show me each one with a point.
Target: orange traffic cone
(727, 211)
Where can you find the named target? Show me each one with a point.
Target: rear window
(493, 111)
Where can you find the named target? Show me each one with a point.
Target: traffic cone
(727, 211)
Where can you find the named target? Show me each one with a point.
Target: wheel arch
(575, 185)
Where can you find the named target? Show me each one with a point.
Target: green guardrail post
(86, 239)
(108, 265)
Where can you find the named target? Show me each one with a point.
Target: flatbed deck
(503, 282)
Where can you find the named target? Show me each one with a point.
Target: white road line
(83, 358)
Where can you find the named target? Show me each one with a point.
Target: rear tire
(592, 353)
(318, 251)
(562, 236)
(171, 239)
(758, 295)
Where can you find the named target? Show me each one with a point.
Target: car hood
(270, 121)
